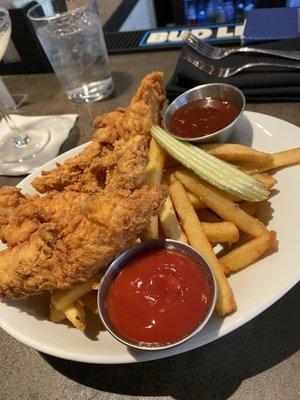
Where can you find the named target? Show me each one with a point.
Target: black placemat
(267, 84)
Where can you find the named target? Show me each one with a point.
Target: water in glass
(75, 47)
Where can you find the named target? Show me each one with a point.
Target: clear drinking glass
(5, 31)
(20, 145)
(71, 35)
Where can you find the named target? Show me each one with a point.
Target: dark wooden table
(256, 362)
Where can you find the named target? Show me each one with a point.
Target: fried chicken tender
(78, 234)
(121, 125)
(143, 111)
(93, 207)
(17, 217)
(125, 168)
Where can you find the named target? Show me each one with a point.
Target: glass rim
(45, 18)
(5, 10)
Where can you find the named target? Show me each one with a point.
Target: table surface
(258, 361)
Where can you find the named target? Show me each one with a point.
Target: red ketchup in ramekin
(158, 298)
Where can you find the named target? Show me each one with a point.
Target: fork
(217, 53)
(230, 71)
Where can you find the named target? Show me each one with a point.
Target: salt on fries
(198, 214)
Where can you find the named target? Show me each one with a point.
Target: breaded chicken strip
(78, 234)
(17, 216)
(79, 173)
(94, 205)
(124, 168)
(143, 111)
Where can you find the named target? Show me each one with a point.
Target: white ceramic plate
(255, 288)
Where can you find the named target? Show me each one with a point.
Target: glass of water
(71, 35)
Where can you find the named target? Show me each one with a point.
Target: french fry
(167, 173)
(285, 158)
(169, 222)
(62, 298)
(222, 206)
(233, 152)
(268, 180)
(197, 238)
(196, 202)
(280, 159)
(206, 215)
(76, 315)
(221, 232)
(248, 207)
(154, 176)
(89, 300)
(56, 315)
(216, 232)
(156, 164)
(151, 231)
(248, 253)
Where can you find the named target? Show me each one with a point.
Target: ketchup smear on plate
(202, 117)
(160, 297)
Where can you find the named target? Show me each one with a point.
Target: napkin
(267, 85)
(59, 127)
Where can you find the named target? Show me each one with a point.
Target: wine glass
(19, 146)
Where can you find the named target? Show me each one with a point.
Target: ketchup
(202, 117)
(159, 298)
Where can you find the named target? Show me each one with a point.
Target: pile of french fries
(200, 215)
(70, 304)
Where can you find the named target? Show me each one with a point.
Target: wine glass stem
(19, 138)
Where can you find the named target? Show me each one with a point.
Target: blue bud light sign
(211, 33)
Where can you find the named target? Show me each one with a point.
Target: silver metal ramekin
(124, 258)
(220, 91)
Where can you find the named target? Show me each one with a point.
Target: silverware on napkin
(225, 72)
(217, 53)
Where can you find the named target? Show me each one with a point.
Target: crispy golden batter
(125, 168)
(112, 130)
(77, 234)
(17, 216)
(94, 205)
